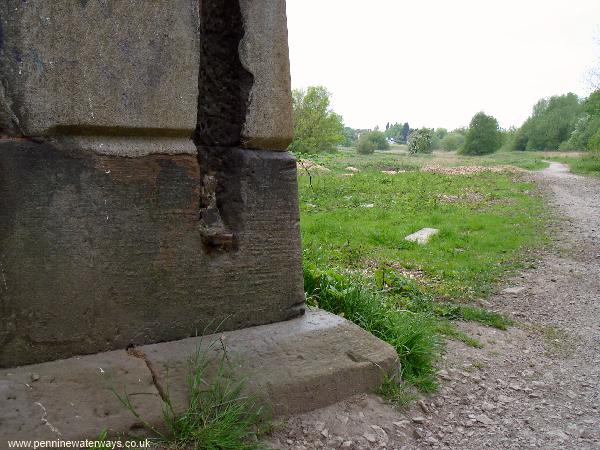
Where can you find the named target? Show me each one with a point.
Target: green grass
(412, 335)
(358, 265)
(399, 394)
(101, 442)
(219, 415)
(485, 219)
(397, 158)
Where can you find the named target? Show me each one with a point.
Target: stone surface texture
(72, 399)
(126, 68)
(129, 211)
(100, 252)
(128, 71)
(308, 362)
(264, 53)
(294, 366)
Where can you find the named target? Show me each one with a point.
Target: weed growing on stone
(101, 442)
(219, 415)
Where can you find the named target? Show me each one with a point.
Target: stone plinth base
(100, 252)
(294, 366)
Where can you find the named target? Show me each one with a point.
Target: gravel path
(534, 386)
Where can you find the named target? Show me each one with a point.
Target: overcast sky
(436, 63)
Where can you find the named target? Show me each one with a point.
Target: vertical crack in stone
(137, 352)
(223, 95)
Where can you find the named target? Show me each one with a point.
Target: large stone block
(293, 367)
(99, 252)
(305, 363)
(116, 228)
(264, 53)
(90, 69)
(73, 400)
(122, 77)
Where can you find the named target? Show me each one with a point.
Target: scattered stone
(585, 434)
(368, 205)
(504, 399)
(380, 432)
(514, 290)
(486, 406)
(559, 434)
(370, 437)
(422, 236)
(352, 169)
(443, 374)
(34, 377)
(401, 423)
(418, 433)
(303, 166)
(423, 406)
(468, 170)
(418, 419)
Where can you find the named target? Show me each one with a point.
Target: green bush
(364, 145)
(483, 136)
(452, 141)
(369, 142)
(420, 141)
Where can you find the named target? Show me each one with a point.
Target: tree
(405, 132)
(395, 133)
(483, 136)
(379, 139)
(586, 133)
(420, 141)
(350, 136)
(438, 135)
(552, 122)
(371, 141)
(441, 133)
(317, 128)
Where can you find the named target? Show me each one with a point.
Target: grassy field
(356, 211)
(357, 223)
(397, 159)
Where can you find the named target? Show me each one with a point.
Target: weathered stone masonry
(143, 196)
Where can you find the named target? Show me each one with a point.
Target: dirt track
(534, 386)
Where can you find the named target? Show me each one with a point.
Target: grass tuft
(219, 414)
(447, 329)
(413, 335)
(399, 394)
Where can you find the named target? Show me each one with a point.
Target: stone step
(293, 366)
